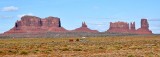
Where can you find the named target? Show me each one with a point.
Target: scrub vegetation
(109, 46)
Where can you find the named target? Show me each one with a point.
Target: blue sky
(96, 13)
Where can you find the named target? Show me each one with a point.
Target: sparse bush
(12, 51)
(101, 48)
(49, 50)
(1, 52)
(46, 51)
(135, 47)
(77, 49)
(77, 40)
(118, 47)
(130, 56)
(65, 49)
(35, 51)
(23, 53)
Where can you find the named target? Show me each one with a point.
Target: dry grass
(111, 46)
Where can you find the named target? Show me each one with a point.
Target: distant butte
(84, 28)
(33, 24)
(144, 27)
(124, 27)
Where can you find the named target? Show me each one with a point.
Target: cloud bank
(5, 17)
(10, 8)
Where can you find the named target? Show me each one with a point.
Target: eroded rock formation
(132, 27)
(119, 27)
(84, 28)
(32, 24)
(144, 28)
(123, 27)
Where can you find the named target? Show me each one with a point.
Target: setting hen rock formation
(84, 28)
(123, 27)
(144, 28)
(33, 24)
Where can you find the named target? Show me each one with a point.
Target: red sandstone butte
(144, 27)
(84, 28)
(118, 27)
(33, 24)
(123, 27)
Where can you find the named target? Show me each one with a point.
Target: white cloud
(21, 15)
(5, 17)
(157, 19)
(10, 8)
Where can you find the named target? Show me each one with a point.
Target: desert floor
(110, 46)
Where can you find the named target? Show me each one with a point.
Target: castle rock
(124, 27)
(144, 28)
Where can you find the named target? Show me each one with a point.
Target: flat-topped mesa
(118, 27)
(51, 21)
(30, 21)
(123, 27)
(27, 22)
(33, 24)
(52, 24)
(84, 28)
(144, 27)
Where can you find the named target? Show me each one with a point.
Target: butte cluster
(33, 24)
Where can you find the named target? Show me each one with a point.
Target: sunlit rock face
(33, 24)
(124, 27)
(118, 27)
(84, 28)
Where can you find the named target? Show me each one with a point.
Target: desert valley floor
(109, 46)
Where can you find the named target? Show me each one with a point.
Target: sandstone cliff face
(119, 27)
(123, 27)
(84, 28)
(32, 24)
